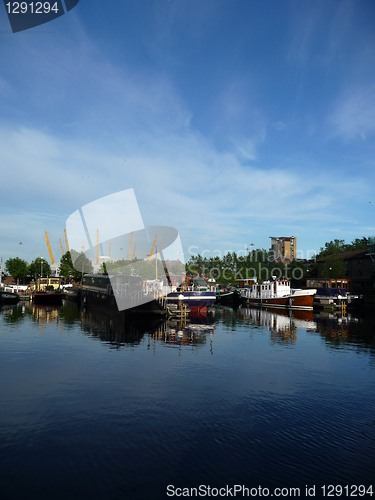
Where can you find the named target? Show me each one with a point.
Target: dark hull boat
(9, 297)
(47, 298)
(120, 294)
(229, 297)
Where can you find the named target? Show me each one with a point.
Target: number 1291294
(346, 491)
(31, 8)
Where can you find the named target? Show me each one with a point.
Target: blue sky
(232, 120)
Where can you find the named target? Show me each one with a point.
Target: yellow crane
(130, 245)
(152, 248)
(149, 255)
(62, 250)
(49, 248)
(135, 246)
(66, 241)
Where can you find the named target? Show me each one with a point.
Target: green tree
(66, 265)
(360, 243)
(147, 269)
(333, 267)
(339, 246)
(40, 268)
(119, 266)
(332, 247)
(17, 268)
(82, 265)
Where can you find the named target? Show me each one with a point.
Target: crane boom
(130, 245)
(49, 248)
(62, 250)
(66, 241)
(152, 248)
(135, 246)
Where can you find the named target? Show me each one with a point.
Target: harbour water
(94, 407)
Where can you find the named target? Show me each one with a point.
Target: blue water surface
(94, 406)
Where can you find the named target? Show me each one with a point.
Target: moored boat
(8, 297)
(197, 296)
(228, 295)
(278, 293)
(52, 298)
(117, 293)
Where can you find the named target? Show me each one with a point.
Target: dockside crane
(66, 241)
(49, 248)
(62, 250)
(130, 245)
(152, 248)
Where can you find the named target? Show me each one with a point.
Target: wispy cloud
(82, 126)
(353, 115)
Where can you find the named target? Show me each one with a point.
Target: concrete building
(283, 249)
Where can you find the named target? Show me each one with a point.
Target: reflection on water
(281, 323)
(335, 327)
(102, 406)
(117, 330)
(347, 329)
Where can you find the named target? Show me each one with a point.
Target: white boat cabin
(268, 290)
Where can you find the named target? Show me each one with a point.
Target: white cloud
(353, 116)
(97, 129)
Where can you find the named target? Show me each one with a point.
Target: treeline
(40, 268)
(339, 246)
(255, 264)
(19, 268)
(258, 264)
(334, 266)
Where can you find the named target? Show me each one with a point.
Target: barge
(119, 293)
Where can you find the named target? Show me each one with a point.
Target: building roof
(356, 254)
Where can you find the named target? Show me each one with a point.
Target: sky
(232, 121)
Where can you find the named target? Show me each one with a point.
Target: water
(94, 407)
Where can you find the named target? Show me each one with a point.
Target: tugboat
(47, 298)
(277, 293)
(46, 294)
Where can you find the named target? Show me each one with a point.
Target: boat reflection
(118, 330)
(338, 329)
(282, 324)
(189, 332)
